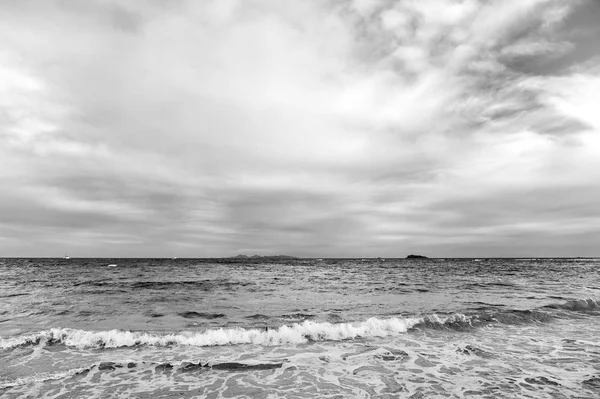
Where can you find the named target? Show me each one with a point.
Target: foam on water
(41, 377)
(504, 362)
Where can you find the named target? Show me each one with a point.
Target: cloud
(345, 128)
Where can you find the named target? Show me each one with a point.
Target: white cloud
(576, 96)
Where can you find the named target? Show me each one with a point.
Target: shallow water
(301, 328)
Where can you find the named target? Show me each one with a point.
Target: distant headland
(411, 256)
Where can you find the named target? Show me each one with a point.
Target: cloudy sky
(301, 127)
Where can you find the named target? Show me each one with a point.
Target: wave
(200, 315)
(202, 285)
(297, 316)
(13, 295)
(578, 305)
(295, 334)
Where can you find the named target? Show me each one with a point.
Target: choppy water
(298, 329)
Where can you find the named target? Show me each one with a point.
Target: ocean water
(161, 328)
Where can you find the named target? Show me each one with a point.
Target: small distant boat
(174, 258)
(112, 265)
(66, 257)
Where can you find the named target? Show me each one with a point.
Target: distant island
(257, 259)
(265, 256)
(411, 256)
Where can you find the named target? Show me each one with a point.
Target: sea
(299, 328)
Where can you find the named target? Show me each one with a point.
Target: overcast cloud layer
(310, 128)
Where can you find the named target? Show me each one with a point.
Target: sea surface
(306, 328)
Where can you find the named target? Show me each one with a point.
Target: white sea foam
(40, 377)
(293, 334)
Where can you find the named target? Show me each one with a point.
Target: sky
(325, 128)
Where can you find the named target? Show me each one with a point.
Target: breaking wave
(295, 334)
